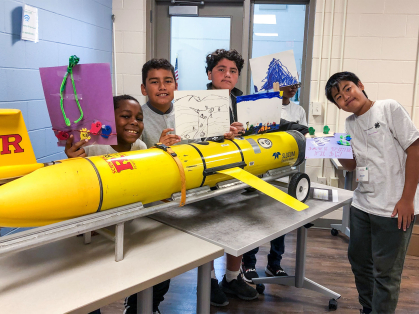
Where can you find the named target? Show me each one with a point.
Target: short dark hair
(334, 81)
(156, 64)
(117, 99)
(219, 54)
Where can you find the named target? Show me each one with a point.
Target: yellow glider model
(74, 187)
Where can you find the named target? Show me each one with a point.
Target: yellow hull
(81, 186)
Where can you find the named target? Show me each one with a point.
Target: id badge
(361, 174)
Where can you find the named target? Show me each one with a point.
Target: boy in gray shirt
(386, 149)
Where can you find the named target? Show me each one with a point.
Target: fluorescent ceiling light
(264, 19)
(267, 34)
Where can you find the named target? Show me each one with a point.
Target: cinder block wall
(66, 27)
(130, 26)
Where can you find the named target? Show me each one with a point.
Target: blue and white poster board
(328, 147)
(259, 112)
(202, 113)
(278, 67)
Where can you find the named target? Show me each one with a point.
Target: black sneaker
(275, 271)
(248, 273)
(218, 297)
(239, 288)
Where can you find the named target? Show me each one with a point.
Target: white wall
(130, 26)
(381, 43)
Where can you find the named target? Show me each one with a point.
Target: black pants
(159, 291)
(377, 249)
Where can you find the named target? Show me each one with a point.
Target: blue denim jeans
(274, 256)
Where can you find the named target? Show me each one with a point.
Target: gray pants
(377, 249)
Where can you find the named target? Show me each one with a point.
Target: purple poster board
(328, 147)
(94, 91)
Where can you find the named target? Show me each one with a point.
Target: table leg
(145, 301)
(300, 260)
(344, 226)
(119, 242)
(204, 289)
(87, 237)
(299, 280)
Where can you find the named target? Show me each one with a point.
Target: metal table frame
(344, 226)
(299, 280)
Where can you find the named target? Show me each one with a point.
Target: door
(191, 38)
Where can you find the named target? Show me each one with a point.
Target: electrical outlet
(334, 181)
(316, 108)
(321, 180)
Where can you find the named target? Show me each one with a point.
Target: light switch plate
(316, 108)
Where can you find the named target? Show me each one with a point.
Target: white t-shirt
(389, 131)
(97, 150)
(294, 113)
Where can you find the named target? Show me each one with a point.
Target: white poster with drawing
(278, 67)
(202, 113)
(259, 113)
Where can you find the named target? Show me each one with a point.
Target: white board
(259, 110)
(202, 113)
(278, 67)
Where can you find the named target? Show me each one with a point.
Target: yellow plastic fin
(15, 146)
(264, 187)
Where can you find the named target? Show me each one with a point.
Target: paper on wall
(30, 24)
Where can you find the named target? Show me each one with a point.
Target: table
(344, 226)
(241, 221)
(68, 276)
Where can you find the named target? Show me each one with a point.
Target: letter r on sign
(11, 140)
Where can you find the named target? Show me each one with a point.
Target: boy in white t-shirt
(386, 151)
(290, 110)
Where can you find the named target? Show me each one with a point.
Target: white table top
(241, 221)
(70, 277)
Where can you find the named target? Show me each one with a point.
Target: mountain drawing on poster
(201, 113)
(277, 72)
(278, 67)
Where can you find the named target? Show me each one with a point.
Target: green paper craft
(72, 62)
(311, 130)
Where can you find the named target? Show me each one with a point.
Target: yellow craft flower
(84, 134)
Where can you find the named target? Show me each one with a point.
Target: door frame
(247, 40)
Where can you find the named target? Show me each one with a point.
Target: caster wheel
(334, 232)
(260, 287)
(299, 186)
(333, 305)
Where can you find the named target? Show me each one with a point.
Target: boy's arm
(405, 206)
(348, 164)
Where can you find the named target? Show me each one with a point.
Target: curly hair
(219, 54)
(117, 99)
(156, 64)
(334, 81)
